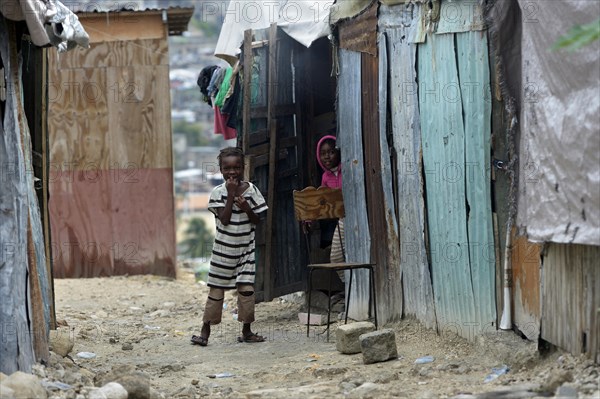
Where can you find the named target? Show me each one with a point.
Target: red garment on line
(221, 125)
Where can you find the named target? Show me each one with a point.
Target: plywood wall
(111, 184)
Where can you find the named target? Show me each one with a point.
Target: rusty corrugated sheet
(571, 298)
(360, 33)
(526, 279)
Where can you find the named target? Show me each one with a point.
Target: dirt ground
(143, 324)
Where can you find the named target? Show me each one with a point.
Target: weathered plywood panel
(118, 53)
(349, 137)
(111, 184)
(77, 121)
(406, 132)
(139, 117)
(474, 72)
(525, 262)
(571, 298)
(443, 157)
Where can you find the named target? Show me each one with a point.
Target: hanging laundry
(204, 79)
(224, 87)
(221, 125)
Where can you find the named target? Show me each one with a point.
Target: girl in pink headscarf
(329, 158)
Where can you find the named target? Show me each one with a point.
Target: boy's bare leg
(205, 331)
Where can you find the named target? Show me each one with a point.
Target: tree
(198, 239)
(579, 36)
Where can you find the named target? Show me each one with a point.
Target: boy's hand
(231, 185)
(242, 203)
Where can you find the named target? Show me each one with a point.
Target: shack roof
(177, 18)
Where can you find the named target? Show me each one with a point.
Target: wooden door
(271, 127)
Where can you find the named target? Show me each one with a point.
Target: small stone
(61, 341)
(566, 391)
(127, 346)
(378, 346)
(195, 382)
(347, 336)
(329, 371)
(365, 391)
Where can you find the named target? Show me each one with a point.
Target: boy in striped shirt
(236, 205)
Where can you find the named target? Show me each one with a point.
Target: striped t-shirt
(232, 260)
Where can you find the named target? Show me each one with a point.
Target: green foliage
(579, 36)
(198, 240)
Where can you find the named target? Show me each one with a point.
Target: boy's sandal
(198, 340)
(251, 338)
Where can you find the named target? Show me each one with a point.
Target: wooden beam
(272, 128)
(45, 180)
(258, 137)
(248, 59)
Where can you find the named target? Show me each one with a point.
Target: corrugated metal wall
(570, 295)
(24, 283)
(396, 23)
(349, 137)
(455, 109)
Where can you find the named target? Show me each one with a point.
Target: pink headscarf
(319, 149)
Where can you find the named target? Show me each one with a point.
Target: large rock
(136, 383)
(378, 346)
(112, 390)
(6, 393)
(346, 338)
(24, 386)
(61, 341)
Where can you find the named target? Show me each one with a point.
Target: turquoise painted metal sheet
(456, 124)
(349, 138)
(406, 132)
(474, 73)
(444, 164)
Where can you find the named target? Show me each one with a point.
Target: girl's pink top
(330, 178)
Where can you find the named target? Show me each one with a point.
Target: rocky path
(137, 330)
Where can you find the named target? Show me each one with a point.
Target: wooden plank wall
(349, 137)
(396, 23)
(570, 295)
(111, 183)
